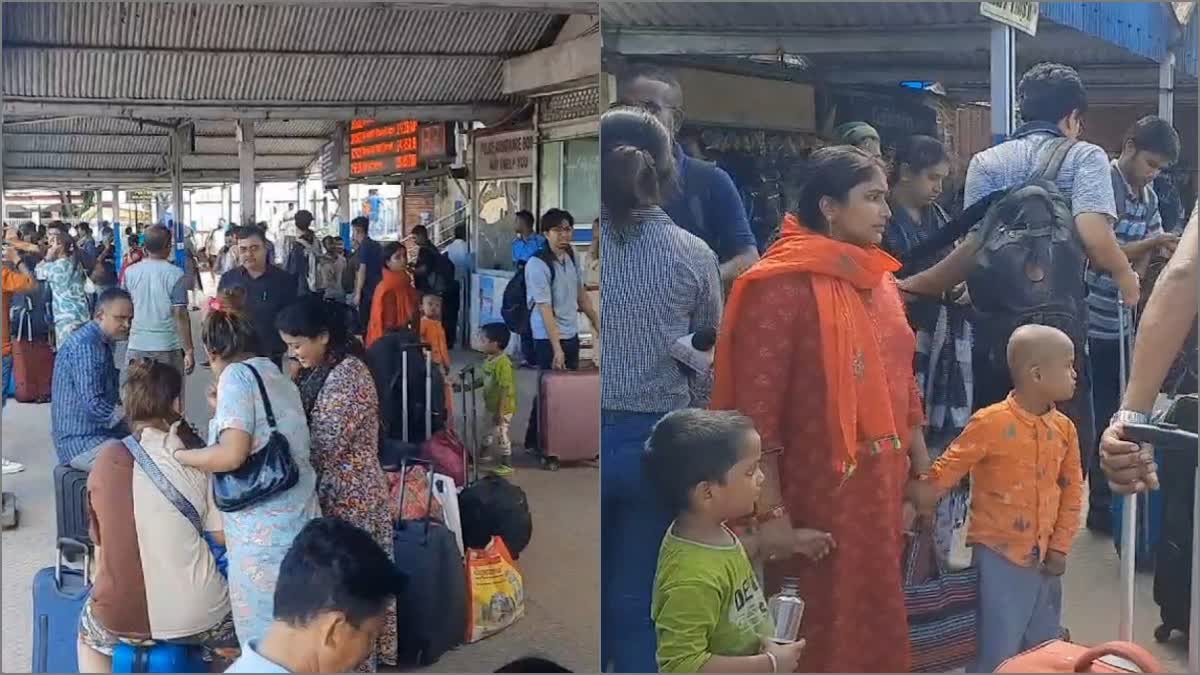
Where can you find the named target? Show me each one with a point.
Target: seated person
(157, 578)
(331, 598)
(85, 411)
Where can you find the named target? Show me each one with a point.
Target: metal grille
(570, 105)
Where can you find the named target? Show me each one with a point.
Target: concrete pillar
(245, 141)
(1166, 88)
(1004, 81)
(342, 153)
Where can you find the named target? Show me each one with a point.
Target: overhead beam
(224, 110)
(48, 178)
(574, 60)
(19, 48)
(541, 6)
(953, 75)
(648, 41)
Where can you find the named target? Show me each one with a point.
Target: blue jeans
(632, 527)
(7, 383)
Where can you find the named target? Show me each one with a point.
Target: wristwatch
(1129, 417)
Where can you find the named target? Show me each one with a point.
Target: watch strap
(1130, 417)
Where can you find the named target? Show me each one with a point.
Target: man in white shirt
(162, 328)
(459, 253)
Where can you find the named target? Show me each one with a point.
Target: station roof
(91, 90)
(1115, 46)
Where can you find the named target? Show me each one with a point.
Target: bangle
(774, 662)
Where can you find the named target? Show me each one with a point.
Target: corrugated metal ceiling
(180, 53)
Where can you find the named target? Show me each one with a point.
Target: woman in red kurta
(395, 303)
(815, 347)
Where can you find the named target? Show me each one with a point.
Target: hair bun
(232, 300)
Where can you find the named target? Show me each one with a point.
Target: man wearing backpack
(1053, 219)
(707, 204)
(301, 262)
(1151, 146)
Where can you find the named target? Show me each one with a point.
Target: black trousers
(451, 303)
(544, 354)
(1105, 357)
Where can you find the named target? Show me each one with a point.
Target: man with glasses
(268, 290)
(708, 204)
(556, 295)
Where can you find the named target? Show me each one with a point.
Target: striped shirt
(85, 401)
(659, 283)
(1141, 219)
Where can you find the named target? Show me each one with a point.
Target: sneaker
(503, 467)
(11, 467)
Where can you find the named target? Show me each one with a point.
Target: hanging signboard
(1022, 16)
(382, 148)
(507, 154)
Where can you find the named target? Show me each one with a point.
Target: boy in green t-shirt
(708, 608)
(499, 394)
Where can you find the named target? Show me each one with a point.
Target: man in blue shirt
(85, 412)
(528, 243)
(370, 268)
(707, 203)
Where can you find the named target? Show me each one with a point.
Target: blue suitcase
(162, 657)
(58, 596)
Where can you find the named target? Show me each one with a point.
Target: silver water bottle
(787, 609)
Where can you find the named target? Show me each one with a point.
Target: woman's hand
(777, 539)
(814, 544)
(908, 517)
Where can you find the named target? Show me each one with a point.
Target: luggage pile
(457, 534)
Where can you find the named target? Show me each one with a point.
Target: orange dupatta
(394, 304)
(859, 408)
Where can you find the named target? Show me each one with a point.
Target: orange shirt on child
(1027, 489)
(434, 335)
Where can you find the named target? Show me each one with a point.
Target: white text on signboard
(1020, 15)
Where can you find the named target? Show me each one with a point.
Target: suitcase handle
(1133, 653)
(67, 542)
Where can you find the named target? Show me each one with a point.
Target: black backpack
(30, 315)
(514, 306)
(495, 507)
(1031, 264)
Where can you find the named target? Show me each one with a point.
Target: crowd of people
(284, 341)
(883, 349)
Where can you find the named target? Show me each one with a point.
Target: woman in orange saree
(395, 303)
(815, 347)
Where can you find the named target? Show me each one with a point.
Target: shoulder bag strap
(164, 486)
(262, 389)
(1052, 162)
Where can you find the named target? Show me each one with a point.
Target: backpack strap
(164, 485)
(1052, 161)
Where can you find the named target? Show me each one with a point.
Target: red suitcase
(568, 416)
(33, 370)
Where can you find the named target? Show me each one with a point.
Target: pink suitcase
(568, 416)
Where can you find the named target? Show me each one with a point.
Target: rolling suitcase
(33, 363)
(71, 505)
(58, 596)
(568, 416)
(394, 450)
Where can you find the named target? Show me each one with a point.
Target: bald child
(1026, 494)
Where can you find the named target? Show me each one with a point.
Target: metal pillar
(343, 173)
(1166, 88)
(227, 204)
(116, 205)
(245, 141)
(1003, 81)
(177, 226)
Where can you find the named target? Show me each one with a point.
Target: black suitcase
(432, 609)
(1173, 562)
(59, 593)
(71, 505)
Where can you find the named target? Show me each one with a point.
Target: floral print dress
(351, 484)
(259, 536)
